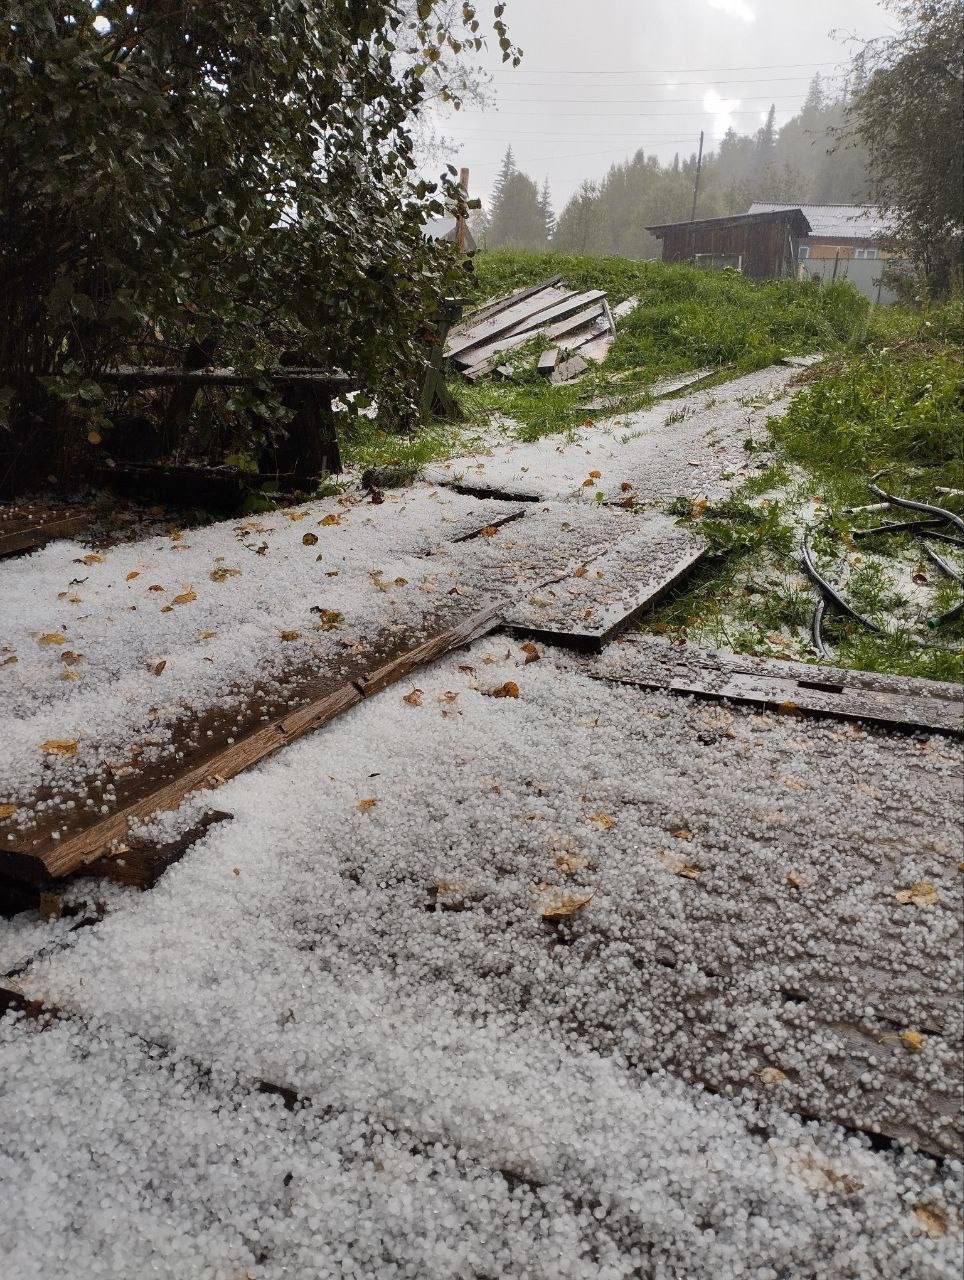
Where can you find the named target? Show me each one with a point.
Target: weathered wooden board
(589, 607)
(504, 322)
(547, 362)
(472, 354)
(109, 836)
(570, 370)
(38, 535)
(501, 304)
(552, 333)
(889, 702)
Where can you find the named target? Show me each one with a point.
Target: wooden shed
(763, 246)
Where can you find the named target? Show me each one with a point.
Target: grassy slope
(893, 402)
(686, 319)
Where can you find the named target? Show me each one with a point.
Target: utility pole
(696, 188)
(461, 221)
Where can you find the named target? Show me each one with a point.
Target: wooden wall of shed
(769, 249)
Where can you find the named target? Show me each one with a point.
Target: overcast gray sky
(602, 78)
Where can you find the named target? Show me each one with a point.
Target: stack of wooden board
(576, 326)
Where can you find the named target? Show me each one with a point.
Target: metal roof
(445, 229)
(783, 213)
(837, 221)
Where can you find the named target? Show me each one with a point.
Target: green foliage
(240, 174)
(908, 116)
(686, 319)
(896, 405)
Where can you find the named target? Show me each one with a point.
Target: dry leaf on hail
(414, 699)
(69, 658)
(134, 573)
(328, 619)
(595, 475)
(580, 572)
(222, 573)
(570, 863)
(185, 597)
(51, 638)
(309, 538)
(682, 833)
(508, 690)
(290, 635)
(679, 866)
(602, 820)
(7, 811)
(490, 531)
(296, 515)
(797, 880)
(364, 805)
(557, 905)
(913, 1040)
(158, 667)
(93, 558)
(932, 1220)
(59, 746)
(921, 894)
(772, 1075)
(331, 518)
(531, 652)
(449, 695)
(9, 660)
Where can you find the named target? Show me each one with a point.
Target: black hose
(942, 563)
(946, 537)
(830, 592)
(903, 526)
(910, 505)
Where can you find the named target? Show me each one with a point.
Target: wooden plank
(480, 624)
(507, 300)
(888, 702)
(547, 362)
(597, 350)
(569, 371)
(505, 321)
(550, 333)
(105, 838)
(588, 607)
(39, 535)
(528, 324)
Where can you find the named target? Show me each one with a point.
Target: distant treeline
(805, 161)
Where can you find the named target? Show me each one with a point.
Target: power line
(670, 71)
(750, 97)
(645, 115)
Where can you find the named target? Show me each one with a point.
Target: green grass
(891, 401)
(686, 319)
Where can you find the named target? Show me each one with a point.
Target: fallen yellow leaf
(186, 597)
(932, 1220)
(797, 880)
(595, 475)
(602, 820)
(414, 699)
(921, 894)
(51, 638)
(913, 1040)
(93, 558)
(296, 515)
(679, 866)
(330, 519)
(222, 573)
(70, 675)
(772, 1075)
(364, 805)
(570, 863)
(328, 619)
(59, 746)
(290, 635)
(557, 905)
(134, 573)
(309, 538)
(207, 635)
(159, 666)
(532, 654)
(69, 658)
(490, 531)
(7, 810)
(508, 690)
(94, 437)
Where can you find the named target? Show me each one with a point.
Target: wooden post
(460, 221)
(696, 188)
(836, 264)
